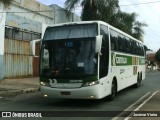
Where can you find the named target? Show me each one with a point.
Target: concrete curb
(11, 93)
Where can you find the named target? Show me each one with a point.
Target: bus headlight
(90, 83)
(44, 84)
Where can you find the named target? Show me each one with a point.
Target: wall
(24, 20)
(60, 15)
(27, 8)
(13, 20)
(18, 34)
(2, 26)
(22, 26)
(18, 62)
(17, 58)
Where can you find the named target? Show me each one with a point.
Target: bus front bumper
(90, 92)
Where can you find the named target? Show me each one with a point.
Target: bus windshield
(68, 58)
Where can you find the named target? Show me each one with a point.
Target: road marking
(127, 118)
(145, 101)
(129, 108)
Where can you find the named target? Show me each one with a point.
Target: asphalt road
(124, 99)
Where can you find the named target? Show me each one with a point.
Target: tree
(157, 56)
(138, 30)
(6, 2)
(127, 23)
(109, 11)
(123, 21)
(94, 9)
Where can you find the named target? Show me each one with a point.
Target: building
(150, 56)
(21, 22)
(59, 12)
(151, 60)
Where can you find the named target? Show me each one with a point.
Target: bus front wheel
(113, 90)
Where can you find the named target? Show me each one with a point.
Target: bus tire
(113, 90)
(139, 79)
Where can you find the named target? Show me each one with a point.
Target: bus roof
(78, 22)
(99, 22)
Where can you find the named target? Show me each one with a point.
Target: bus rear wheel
(139, 79)
(113, 91)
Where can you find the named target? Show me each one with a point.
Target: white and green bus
(89, 60)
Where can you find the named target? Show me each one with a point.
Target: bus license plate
(65, 93)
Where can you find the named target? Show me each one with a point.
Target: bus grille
(66, 85)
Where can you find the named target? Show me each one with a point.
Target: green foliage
(94, 9)
(158, 55)
(138, 30)
(6, 2)
(124, 21)
(109, 11)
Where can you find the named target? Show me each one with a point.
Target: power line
(30, 12)
(37, 11)
(141, 3)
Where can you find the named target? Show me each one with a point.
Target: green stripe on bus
(122, 60)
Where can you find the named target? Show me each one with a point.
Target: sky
(148, 13)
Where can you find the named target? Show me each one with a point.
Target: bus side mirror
(98, 43)
(33, 46)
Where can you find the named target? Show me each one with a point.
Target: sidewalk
(12, 87)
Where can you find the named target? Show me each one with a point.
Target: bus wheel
(138, 84)
(113, 91)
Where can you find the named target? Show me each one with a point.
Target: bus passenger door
(104, 58)
(103, 63)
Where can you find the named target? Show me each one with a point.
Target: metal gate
(17, 59)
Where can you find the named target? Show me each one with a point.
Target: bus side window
(120, 43)
(104, 58)
(127, 42)
(114, 40)
(135, 47)
(123, 43)
(132, 47)
(142, 50)
(112, 43)
(139, 49)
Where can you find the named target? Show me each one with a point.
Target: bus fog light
(44, 84)
(90, 83)
(91, 96)
(45, 95)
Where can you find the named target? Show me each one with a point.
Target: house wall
(24, 21)
(60, 15)
(19, 31)
(28, 8)
(2, 26)
(22, 26)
